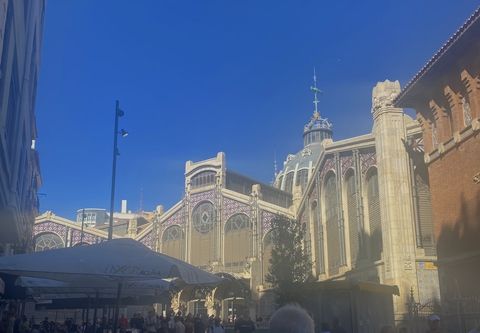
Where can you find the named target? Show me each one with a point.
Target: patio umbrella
(117, 261)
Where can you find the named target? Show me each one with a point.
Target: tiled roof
(446, 46)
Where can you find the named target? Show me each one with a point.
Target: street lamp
(118, 113)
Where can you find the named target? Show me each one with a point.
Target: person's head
(434, 321)
(291, 318)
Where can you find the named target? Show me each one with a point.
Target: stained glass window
(48, 241)
(172, 233)
(204, 216)
(289, 182)
(237, 222)
(333, 232)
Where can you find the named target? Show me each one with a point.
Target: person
(179, 326)
(24, 326)
(189, 325)
(336, 327)
(291, 318)
(244, 325)
(433, 324)
(198, 326)
(123, 323)
(151, 322)
(171, 324)
(217, 326)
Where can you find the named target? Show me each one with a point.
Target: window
(315, 211)
(173, 242)
(467, 112)
(289, 182)
(204, 216)
(332, 221)
(203, 178)
(355, 230)
(373, 198)
(48, 241)
(302, 179)
(237, 222)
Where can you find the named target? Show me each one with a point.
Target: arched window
(203, 178)
(267, 252)
(302, 179)
(318, 227)
(289, 182)
(237, 242)
(373, 197)
(354, 227)
(48, 241)
(204, 218)
(173, 242)
(279, 184)
(334, 240)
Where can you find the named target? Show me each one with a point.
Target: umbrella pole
(88, 313)
(117, 308)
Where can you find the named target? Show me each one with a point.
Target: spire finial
(275, 163)
(316, 91)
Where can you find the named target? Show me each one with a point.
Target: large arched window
(354, 227)
(267, 252)
(373, 197)
(289, 182)
(237, 242)
(334, 244)
(173, 242)
(48, 241)
(318, 227)
(302, 179)
(204, 218)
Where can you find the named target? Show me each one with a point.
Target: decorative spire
(316, 91)
(275, 164)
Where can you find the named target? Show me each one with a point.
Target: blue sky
(201, 76)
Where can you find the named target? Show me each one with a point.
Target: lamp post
(118, 113)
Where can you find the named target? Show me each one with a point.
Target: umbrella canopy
(54, 289)
(119, 260)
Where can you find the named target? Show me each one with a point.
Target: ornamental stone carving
(383, 94)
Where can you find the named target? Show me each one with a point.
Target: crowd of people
(287, 319)
(152, 323)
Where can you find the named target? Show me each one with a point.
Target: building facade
(21, 25)
(365, 200)
(446, 97)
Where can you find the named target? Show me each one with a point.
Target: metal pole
(114, 170)
(117, 308)
(83, 223)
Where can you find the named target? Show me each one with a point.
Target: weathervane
(316, 91)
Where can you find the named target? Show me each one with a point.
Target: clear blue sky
(201, 76)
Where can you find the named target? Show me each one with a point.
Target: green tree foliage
(290, 265)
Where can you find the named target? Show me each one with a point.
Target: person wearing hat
(433, 324)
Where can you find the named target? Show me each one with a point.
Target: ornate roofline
(438, 55)
(49, 216)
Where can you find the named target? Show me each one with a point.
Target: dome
(297, 168)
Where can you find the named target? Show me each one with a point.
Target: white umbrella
(118, 260)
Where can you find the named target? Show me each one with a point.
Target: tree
(290, 265)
